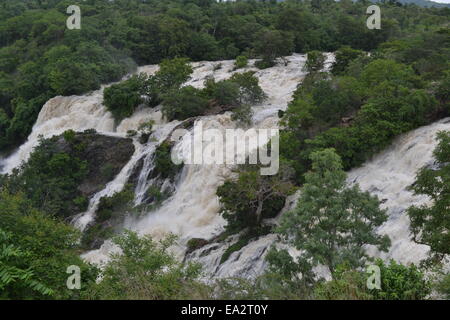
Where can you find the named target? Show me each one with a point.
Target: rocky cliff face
(105, 157)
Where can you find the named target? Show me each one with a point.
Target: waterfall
(388, 175)
(192, 211)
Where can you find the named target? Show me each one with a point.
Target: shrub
(109, 206)
(345, 285)
(443, 286)
(242, 115)
(251, 197)
(146, 270)
(399, 282)
(430, 223)
(69, 136)
(241, 62)
(344, 56)
(250, 91)
(123, 98)
(183, 103)
(315, 61)
(263, 64)
(226, 93)
(164, 167)
(50, 179)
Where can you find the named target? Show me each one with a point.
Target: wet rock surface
(105, 156)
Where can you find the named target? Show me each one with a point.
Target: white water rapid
(193, 209)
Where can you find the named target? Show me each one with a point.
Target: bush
(116, 204)
(346, 285)
(170, 76)
(344, 56)
(250, 91)
(443, 286)
(42, 246)
(263, 64)
(123, 98)
(430, 222)
(241, 62)
(315, 61)
(146, 270)
(399, 282)
(226, 93)
(164, 167)
(250, 197)
(242, 115)
(69, 136)
(50, 179)
(184, 103)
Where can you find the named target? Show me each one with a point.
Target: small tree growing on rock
(315, 61)
(250, 197)
(332, 223)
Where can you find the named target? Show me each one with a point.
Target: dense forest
(383, 83)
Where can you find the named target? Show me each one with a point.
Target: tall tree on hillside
(332, 223)
(430, 224)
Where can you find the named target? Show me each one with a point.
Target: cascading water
(388, 175)
(193, 209)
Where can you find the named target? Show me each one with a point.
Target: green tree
(37, 252)
(251, 197)
(332, 222)
(13, 275)
(250, 91)
(170, 76)
(183, 103)
(399, 282)
(271, 44)
(430, 224)
(241, 62)
(315, 62)
(344, 56)
(123, 98)
(145, 269)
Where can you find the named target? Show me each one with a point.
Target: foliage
(332, 222)
(345, 285)
(110, 214)
(123, 98)
(183, 103)
(251, 197)
(170, 76)
(225, 93)
(271, 44)
(343, 57)
(241, 62)
(40, 58)
(164, 166)
(430, 224)
(242, 115)
(38, 250)
(443, 286)
(399, 282)
(250, 91)
(50, 178)
(116, 203)
(232, 94)
(357, 117)
(13, 276)
(145, 269)
(315, 61)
